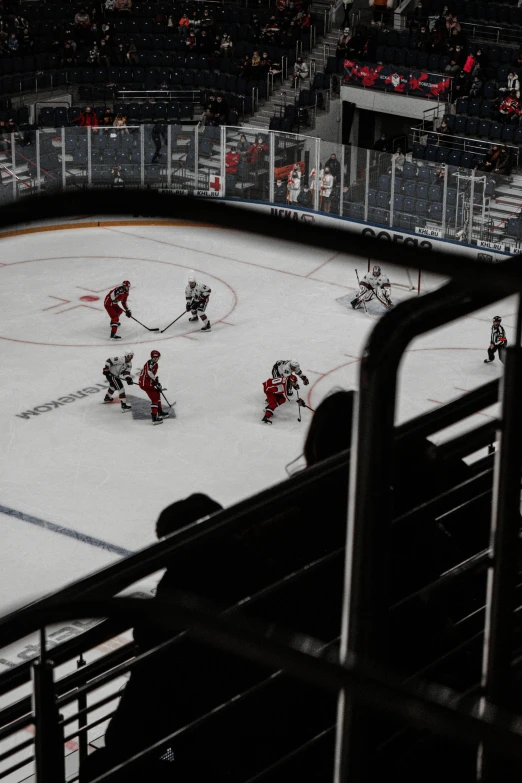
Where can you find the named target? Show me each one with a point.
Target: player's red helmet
(126, 284)
(155, 355)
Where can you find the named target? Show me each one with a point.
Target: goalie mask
(376, 271)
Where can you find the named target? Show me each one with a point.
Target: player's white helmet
(376, 270)
(129, 353)
(192, 281)
(294, 364)
(155, 355)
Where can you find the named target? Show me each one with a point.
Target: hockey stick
(359, 284)
(301, 404)
(174, 321)
(156, 329)
(168, 403)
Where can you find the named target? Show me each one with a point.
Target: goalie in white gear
(375, 283)
(197, 296)
(117, 370)
(286, 367)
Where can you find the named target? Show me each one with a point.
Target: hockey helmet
(155, 355)
(294, 364)
(126, 284)
(376, 270)
(129, 352)
(497, 318)
(192, 281)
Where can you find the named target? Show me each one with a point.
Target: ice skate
(266, 420)
(115, 337)
(206, 328)
(125, 407)
(194, 318)
(107, 398)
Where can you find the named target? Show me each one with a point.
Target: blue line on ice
(65, 531)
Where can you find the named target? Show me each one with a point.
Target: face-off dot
(89, 298)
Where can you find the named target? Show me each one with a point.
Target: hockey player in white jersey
(117, 370)
(283, 368)
(374, 284)
(197, 296)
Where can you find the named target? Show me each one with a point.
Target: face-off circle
(60, 299)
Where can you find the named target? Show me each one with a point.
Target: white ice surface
(90, 468)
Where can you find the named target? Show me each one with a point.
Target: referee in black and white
(497, 342)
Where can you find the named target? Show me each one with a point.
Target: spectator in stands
(226, 48)
(27, 42)
(475, 91)
(300, 72)
(422, 39)
(505, 162)
(171, 25)
(458, 54)
(334, 166)
(219, 109)
(120, 121)
(509, 109)
(191, 40)
(232, 161)
(444, 133)
(294, 184)
(183, 26)
(513, 84)
(257, 150)
(116, 173)
(94, 33)
(105, 51)
(207, 21)
(110, 6)
(400, 160)
(87, 118)
(82, 19)
(304, 197)
(108, 118)
(492, 159)
(452, 68)
(382, 144)
(348, 4)
(195, 20)
(93, 58)
(483, 65)
(461, 85)
(342, 43)
(124, 6)
(158, 134)
(280, 191)
(243, 147)
(12, 44)
(325, 189)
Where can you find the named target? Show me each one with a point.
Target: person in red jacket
(87, 118)
(150, 384)
(277, 391)
(256, 151)
(116, 303)
(232, 160)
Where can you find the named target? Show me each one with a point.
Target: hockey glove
(129, 380)
(158, 387)
(188, 306)
(108, 375)
(301, 402)
(305, 380)
(296, 386)
(128, 313)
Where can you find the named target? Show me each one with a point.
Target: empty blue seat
(383, 200)
(409, 171)
(495, 132)
(466, 160)
(419, 151)
(408, 205)
(435, 193)
(472, 126)
(513, 227)
(484, 128)
(460, 124)
(422, 207)
(410, 189)
(431, 154)
(436, 212)
(454, 158)
(424, 174)
(398, 202)
(422, 190)
(385, 183)
(442, 154)
(451, 196)
(372, 197)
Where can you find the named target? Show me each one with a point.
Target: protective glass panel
(294, 169)
(76, 148)
(183, 159)
(354, 182)
(209, 160)
(241, 154)
(50, 168)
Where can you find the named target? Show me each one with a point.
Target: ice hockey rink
(82, 484)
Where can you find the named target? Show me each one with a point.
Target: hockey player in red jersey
(116, 303)
(150, 384)
(277, 391)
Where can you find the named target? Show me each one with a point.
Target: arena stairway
(506, 204)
